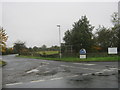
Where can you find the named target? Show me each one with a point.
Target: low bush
(2, 63)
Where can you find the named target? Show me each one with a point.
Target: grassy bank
(73, 59)
(2, 63)
(48, 52)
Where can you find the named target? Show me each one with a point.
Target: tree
(3, 39)
(108, 37)
(104, 38)
(116, 29)
(9, 50)
(35, 48)
(30, 49)
(54, 48)
(80, 36)
(114, 18)
(44, 47)
(19, 47)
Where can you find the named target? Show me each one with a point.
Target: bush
(2, 63)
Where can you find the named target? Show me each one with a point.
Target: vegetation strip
(2, 63)
(73, 59)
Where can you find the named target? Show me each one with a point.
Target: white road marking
(110, 69)
(33, 70)
(41, 80)
(79, 67)
(37, 81)
(78, 63)
(90, 69)
(84, 64)
(14, 84)
(107, 70)
(73, 76)
(67, 66)
(56, 78)
(89, 64)
(42, 65)
(97, 72)
(86, 74)
(114, 68)
(45, 62)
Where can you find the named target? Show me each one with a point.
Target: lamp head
(58, 25)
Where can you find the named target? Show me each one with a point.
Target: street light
(59, 39)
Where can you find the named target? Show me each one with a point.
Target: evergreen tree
(80, 36)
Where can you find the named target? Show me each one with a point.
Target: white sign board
(112, 50)
(82, 56)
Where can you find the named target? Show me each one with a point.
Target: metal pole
(59, 40)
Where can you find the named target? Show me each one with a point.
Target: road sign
(82, 56)
(112, 50)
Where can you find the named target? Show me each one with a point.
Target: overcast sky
(35, 22)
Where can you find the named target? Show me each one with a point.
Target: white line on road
(68, 66)
(104, 70)
(89, 64)
(86, 74)
(33, 70)
(14, 84)
(73, 76)
(84, 64)
(89, 69)
(56, 78)
(79, 67)
(42, 65)
(45, 62)
(37, 81)
(41, 80)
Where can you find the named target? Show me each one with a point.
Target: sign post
(82, 53)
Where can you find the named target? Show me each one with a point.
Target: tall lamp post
(59, 39)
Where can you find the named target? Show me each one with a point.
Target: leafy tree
(19, 47)
(3, 39)
(80, 36)
(104, 38)
(114, 18)
(44, 47)
(35, 48)
(30, 49)
(108, 37)
(116, 29)
(54, 48)
(9, 50)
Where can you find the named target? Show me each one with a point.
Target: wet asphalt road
(35, 73)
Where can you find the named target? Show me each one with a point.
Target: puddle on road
(81, 78)
(47, 73)
(35, 70)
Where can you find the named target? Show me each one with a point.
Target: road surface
(35, 73)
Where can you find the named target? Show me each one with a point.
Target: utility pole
(59, 40)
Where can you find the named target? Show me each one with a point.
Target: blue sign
(82, 51)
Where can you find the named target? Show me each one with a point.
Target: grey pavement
(35, 73)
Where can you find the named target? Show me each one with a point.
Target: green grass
(73, 59)
(48, 52)
(2, 63)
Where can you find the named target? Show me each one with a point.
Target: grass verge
(73, 59)
(2, 63)
(48, 52)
